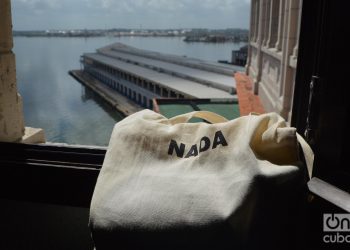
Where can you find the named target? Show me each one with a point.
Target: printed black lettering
(179, 150)
(193, 151)
(219, 139)
(204, 145)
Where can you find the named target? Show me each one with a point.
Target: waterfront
(65, 109)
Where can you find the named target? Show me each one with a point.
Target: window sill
(33, 135)
(330, 193)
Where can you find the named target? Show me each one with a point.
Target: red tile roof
(248, 101)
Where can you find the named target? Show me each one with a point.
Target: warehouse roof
(183, 67)
(181, 60)
(216, 80)
(188, 87)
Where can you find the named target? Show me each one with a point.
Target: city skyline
(135, 14)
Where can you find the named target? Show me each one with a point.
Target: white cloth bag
(168, 183)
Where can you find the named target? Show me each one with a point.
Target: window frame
(64, 175)
(325, 114)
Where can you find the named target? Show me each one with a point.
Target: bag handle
(308, 154)
(205, 115)
(307, 151)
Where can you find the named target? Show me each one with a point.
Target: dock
(121, 103)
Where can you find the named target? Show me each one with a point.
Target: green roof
(171, 110)
(228, 110)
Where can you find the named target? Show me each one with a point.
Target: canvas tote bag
(170, 184)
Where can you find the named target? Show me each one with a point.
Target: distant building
(239, 57)
(143, 75)
(272, 52)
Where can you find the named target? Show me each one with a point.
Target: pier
(129, 78)
(116, 100)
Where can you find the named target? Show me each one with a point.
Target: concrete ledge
(67, 145)
(33, 135)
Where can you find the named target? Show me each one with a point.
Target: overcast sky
(66, 14)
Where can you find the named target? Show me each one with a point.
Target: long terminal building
(144, 75)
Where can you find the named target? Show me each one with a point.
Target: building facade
(143, 75)
(239, 57)
(272, 52)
